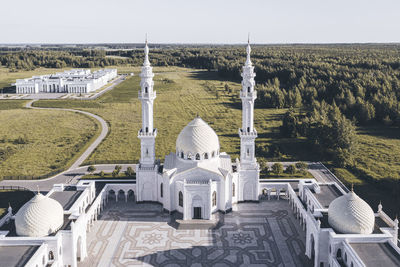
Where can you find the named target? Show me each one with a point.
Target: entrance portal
(197, 213)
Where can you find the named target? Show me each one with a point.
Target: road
(320, 172)
(68, 177)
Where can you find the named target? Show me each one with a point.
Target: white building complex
(196, 181)
(70, 81)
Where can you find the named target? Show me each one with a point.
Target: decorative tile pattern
(257, 234)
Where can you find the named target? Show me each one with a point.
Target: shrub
(277, 168)
(129, 171)
(91, 169)
(291, 169)
(301, 166)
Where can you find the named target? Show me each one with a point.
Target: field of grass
(16, 198)
(37, 142)
(181, 95)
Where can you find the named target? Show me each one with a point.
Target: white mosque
(198, 180)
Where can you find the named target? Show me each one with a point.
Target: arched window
(248, 129)
(189, 156)
(248, 89)
(182, 155)
(180, 199)
(161, 190)
(145, 90)
(147, 151)
(197, 156)
(51, 256)
(214, 199)
(233, 189)
(205, 155)
(213, 154)
(248, 152)
(147, 129)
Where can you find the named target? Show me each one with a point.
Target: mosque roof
(40, 216)
(197, 137)
(349, 214)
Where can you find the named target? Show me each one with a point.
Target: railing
(147, 95)
(249, 94)
(337, 180)
(252, 133)
(13, 187)
(32, 177)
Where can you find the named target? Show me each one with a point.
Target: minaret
(248, 95)
(147, 134)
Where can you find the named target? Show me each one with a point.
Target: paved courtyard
(257, 234)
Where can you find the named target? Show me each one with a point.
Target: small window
(145, 90)
(233, 189)
(147, 129)
(182, 155)
(248, 89)
(51, 256)
(147, 151)
(248, 129)
(197, 156)
(180, 199)
(161, 190)
(206, 156)
(248, 152)
(214, 199)
(213, 154)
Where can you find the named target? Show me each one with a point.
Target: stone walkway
(257, 234)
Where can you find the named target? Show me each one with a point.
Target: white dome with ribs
(197, 138)
(349, 214)
(40, 216)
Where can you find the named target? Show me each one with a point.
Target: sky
(205, 21)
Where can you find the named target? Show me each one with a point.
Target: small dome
(40, 216)
(349, 214)
(197, 138)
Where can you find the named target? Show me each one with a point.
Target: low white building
(69, 81)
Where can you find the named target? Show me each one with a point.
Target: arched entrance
(121, 195)
(111, 195)
(131, 195)
(197, 207)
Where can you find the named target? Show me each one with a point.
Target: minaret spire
(146, 54)
(248, 51)
(248, 95)
(147, 134)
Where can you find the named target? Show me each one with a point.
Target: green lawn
(180, 96)
(37, 142)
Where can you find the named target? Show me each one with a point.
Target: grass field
(180, 97)
(37, 142)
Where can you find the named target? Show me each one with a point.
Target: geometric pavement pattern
(256, 234)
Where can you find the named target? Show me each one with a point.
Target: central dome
(197, 141)
(40, 216)
(349, 214)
